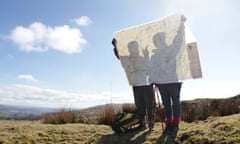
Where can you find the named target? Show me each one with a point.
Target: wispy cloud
(38, 37)
(35, 96)
(198, 8)
(27, 77)
(82, 21)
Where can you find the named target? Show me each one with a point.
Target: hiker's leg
(166, 100)
(176, 105)
(138, 92)
(175, 95)
(149, 99)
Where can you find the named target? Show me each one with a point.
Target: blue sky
(58, 53)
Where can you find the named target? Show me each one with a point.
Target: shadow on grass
(165, 139)
(131, 138)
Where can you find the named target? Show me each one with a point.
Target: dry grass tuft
(62, 117)
(129, 108)
(107, 115)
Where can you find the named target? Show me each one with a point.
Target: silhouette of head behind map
(133, 48)
(159, 40)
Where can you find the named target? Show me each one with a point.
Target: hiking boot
(170, 140)
(142, 126)
(174, 130)
(151, 126)
(168, 129)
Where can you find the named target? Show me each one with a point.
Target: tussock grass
(107, 115)
(62, 117)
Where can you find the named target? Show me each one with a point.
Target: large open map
(158, 52)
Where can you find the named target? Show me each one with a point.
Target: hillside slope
(219, 130)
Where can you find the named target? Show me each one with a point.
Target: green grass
(219, 130)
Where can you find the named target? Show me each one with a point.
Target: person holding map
(169, 86)
(158, 53)
(143, 94)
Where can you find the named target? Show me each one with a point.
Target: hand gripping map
(158, 52)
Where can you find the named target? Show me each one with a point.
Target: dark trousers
(170, 94)
(144, 101)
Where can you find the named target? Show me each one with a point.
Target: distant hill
(22, 113)
(198, 109)
(201, 109)
(192, 110)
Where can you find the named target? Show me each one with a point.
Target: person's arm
(114, 43)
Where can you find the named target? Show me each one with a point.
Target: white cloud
(82, 21)
(35, 96)
(66, 39)
(27, 95)
(193, 89)
(27, 78)
(39, 38)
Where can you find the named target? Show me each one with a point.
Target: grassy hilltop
(214, 130)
